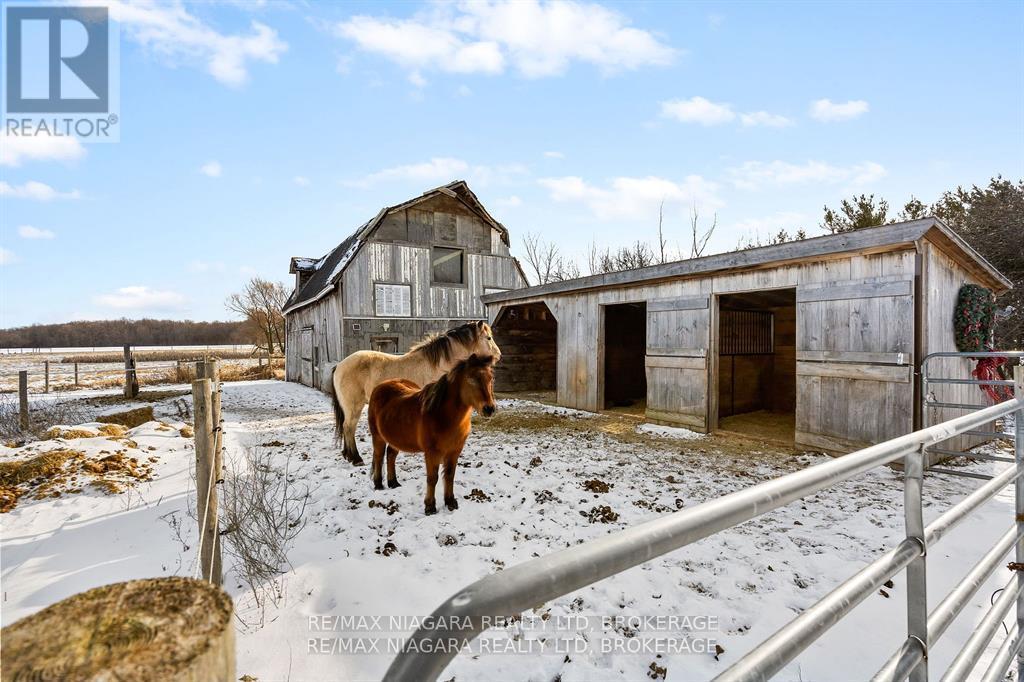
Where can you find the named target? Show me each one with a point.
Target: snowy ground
(530, 482)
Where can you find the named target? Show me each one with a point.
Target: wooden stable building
(418, 267)
(815, 342)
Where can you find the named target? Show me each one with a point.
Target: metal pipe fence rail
(466, 614)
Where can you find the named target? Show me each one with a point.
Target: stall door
(855, 342)
(676, 362)
(306, 357)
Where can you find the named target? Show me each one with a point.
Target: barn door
(676, 362)
(306, 357)
(855, 343)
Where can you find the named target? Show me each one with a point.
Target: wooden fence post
(206, 479)
(76, 374)
(23, 400)
(131, 377)
(46, 375)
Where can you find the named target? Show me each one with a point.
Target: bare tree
(547, 263)
(661, 234)
(639, 255)
(260, 303)
(700, 239)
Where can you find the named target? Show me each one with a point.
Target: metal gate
(931, 404)
(464, 615)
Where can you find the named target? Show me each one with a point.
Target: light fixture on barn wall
(356, 327)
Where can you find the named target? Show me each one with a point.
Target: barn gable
(410, 221)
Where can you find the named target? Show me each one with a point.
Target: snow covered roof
(327, 271)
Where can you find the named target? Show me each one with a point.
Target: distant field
(104, 367)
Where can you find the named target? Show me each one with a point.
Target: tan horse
(355, 377)
(434, 421)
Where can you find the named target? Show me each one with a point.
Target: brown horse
(355, 377)
(434, 420)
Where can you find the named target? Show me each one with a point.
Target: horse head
(475, 379)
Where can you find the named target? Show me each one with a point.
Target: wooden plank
(890, 237)
(679, 352)
(674, 362)
(864, 289)
(829, 444)
(862, 371)
(855, 356)
(667, 304)
(676, 419)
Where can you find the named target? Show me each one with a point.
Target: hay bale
(155, 629)
(128, 418)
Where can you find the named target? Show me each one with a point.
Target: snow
(537, 480)
(669, 431)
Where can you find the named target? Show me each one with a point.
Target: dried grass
(43, 414)
(129, 418)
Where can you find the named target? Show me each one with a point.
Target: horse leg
(379, 446)
(449, 482)
(392, 453)
(353, 410)
(433, 464)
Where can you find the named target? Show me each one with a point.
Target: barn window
(446, 265)
(392, 300)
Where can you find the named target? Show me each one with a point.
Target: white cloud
(170, 32)
(697, 110)
(757, 174)
(16, 149)
(763, 118)
(537, 39)
(211, 169)
(417, 79)
(7, 257)
(463, 91)
(827, 110)
(141, 298)
(554, 155)
(301, 180)
(510, 202)
(705, 112)
(767, 226)
(438, 169)
(30, 232)
(633, 198)
(36, 191)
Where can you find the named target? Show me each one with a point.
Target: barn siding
(399, 253)
(867, 401)
(943, 278)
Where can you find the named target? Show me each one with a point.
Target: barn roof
(872, 239)
(327, 270)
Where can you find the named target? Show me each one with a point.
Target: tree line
(990, 218)
(145, 332)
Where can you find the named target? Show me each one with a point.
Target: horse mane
(439, 348)
(433, 395)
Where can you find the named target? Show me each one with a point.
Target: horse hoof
(357, 461)
(430, 509)
(393, 484)
(452, 504)
(377, 485)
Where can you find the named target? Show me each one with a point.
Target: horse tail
(339, 411)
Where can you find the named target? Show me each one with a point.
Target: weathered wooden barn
(417, 267)
(815, 342)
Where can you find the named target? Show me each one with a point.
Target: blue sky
(255, 132)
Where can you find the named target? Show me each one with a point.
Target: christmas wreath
(973, 318)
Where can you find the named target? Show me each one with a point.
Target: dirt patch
(600, 514)
(477, 495)
(63, 471)
(128, 418)
(596, 485)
